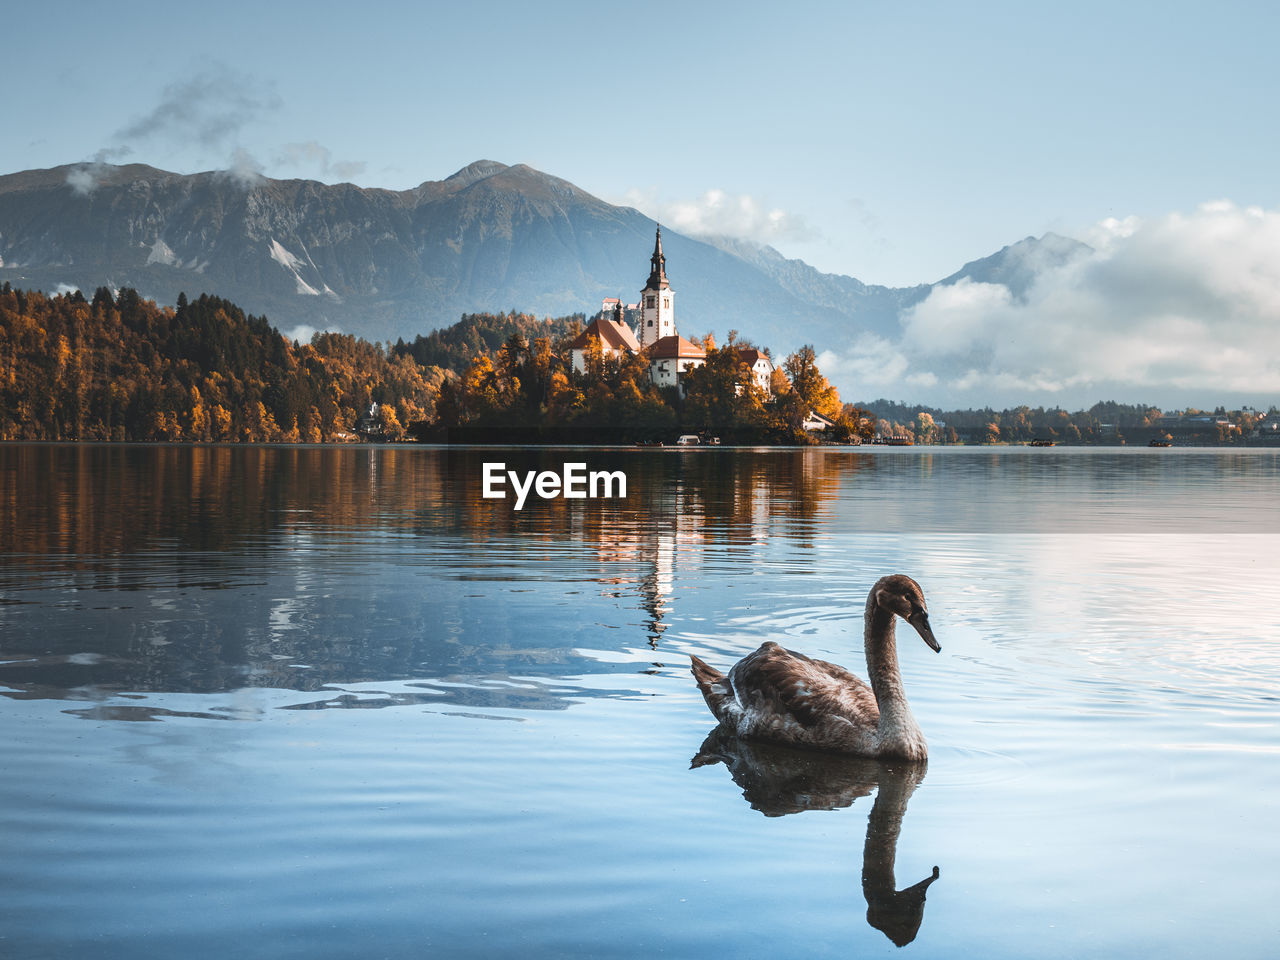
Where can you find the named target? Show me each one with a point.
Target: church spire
(658, 265)
(657, 300)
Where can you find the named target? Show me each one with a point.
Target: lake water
(303, 702)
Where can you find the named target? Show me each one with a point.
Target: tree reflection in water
(780, 780)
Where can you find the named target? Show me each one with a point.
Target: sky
(890, 142)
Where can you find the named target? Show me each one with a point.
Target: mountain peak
(473, 172)
(386, 263)
(1017, 265)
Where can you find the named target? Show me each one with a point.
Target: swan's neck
(898, 913)
(884, 826)
(897, 730)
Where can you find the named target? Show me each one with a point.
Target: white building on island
(672, 356)
(613, 335)
(668, 353)
(761, 367)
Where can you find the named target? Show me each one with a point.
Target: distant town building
(369, 425)
(816, 422)
(1194, 423)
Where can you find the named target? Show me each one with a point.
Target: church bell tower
(657, 300)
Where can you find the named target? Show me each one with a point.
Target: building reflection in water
(779, 781)
(289, 529)
(689, 504)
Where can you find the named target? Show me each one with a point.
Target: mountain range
(384, 264)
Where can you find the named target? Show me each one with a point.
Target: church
(669, 353)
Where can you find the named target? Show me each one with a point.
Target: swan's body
(775, 694)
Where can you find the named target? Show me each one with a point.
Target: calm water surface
(282, 702)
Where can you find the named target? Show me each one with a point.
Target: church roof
(657, 266)
(610, 333)
(675, 347)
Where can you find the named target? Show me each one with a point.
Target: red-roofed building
(613, 336)
(760, 364)
(672, 356)
(668, 353)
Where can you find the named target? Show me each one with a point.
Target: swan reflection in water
(779, 780)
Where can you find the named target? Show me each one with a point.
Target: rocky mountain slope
(384, 264)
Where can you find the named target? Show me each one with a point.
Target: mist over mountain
(1019, 265)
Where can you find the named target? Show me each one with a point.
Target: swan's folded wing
(779, 682)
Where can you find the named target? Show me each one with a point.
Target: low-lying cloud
(302, 333)
(1172, 310)
(84, 179)
(717, 213)
(315, 157)
(207, 112)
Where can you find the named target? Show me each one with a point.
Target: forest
(119, 367)
(476, 334)
(1107, 422)
(523, 392)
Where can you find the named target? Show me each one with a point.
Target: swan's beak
(921, 622)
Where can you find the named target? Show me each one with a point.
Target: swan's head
(899, 594)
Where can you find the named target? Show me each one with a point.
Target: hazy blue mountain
(383, 263)
(1017, 265)
(873, 308)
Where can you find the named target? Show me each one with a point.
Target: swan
(775, 694)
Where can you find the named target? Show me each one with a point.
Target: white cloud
(244, 168)
(872, 362)
(302, 333)
(210, 108)
(1180, 306)
(717, 213)
(313, 155)
(955, 317)
(207, 111)
(922, 380)
(83, 179)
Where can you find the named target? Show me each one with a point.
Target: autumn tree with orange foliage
(121, 368)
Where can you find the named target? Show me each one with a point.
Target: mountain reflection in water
(778, 781)
(1099, 697)
(212, 569)
(209, 569)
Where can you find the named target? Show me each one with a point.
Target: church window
(666, 303)
(651, 323)
(649, 301)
